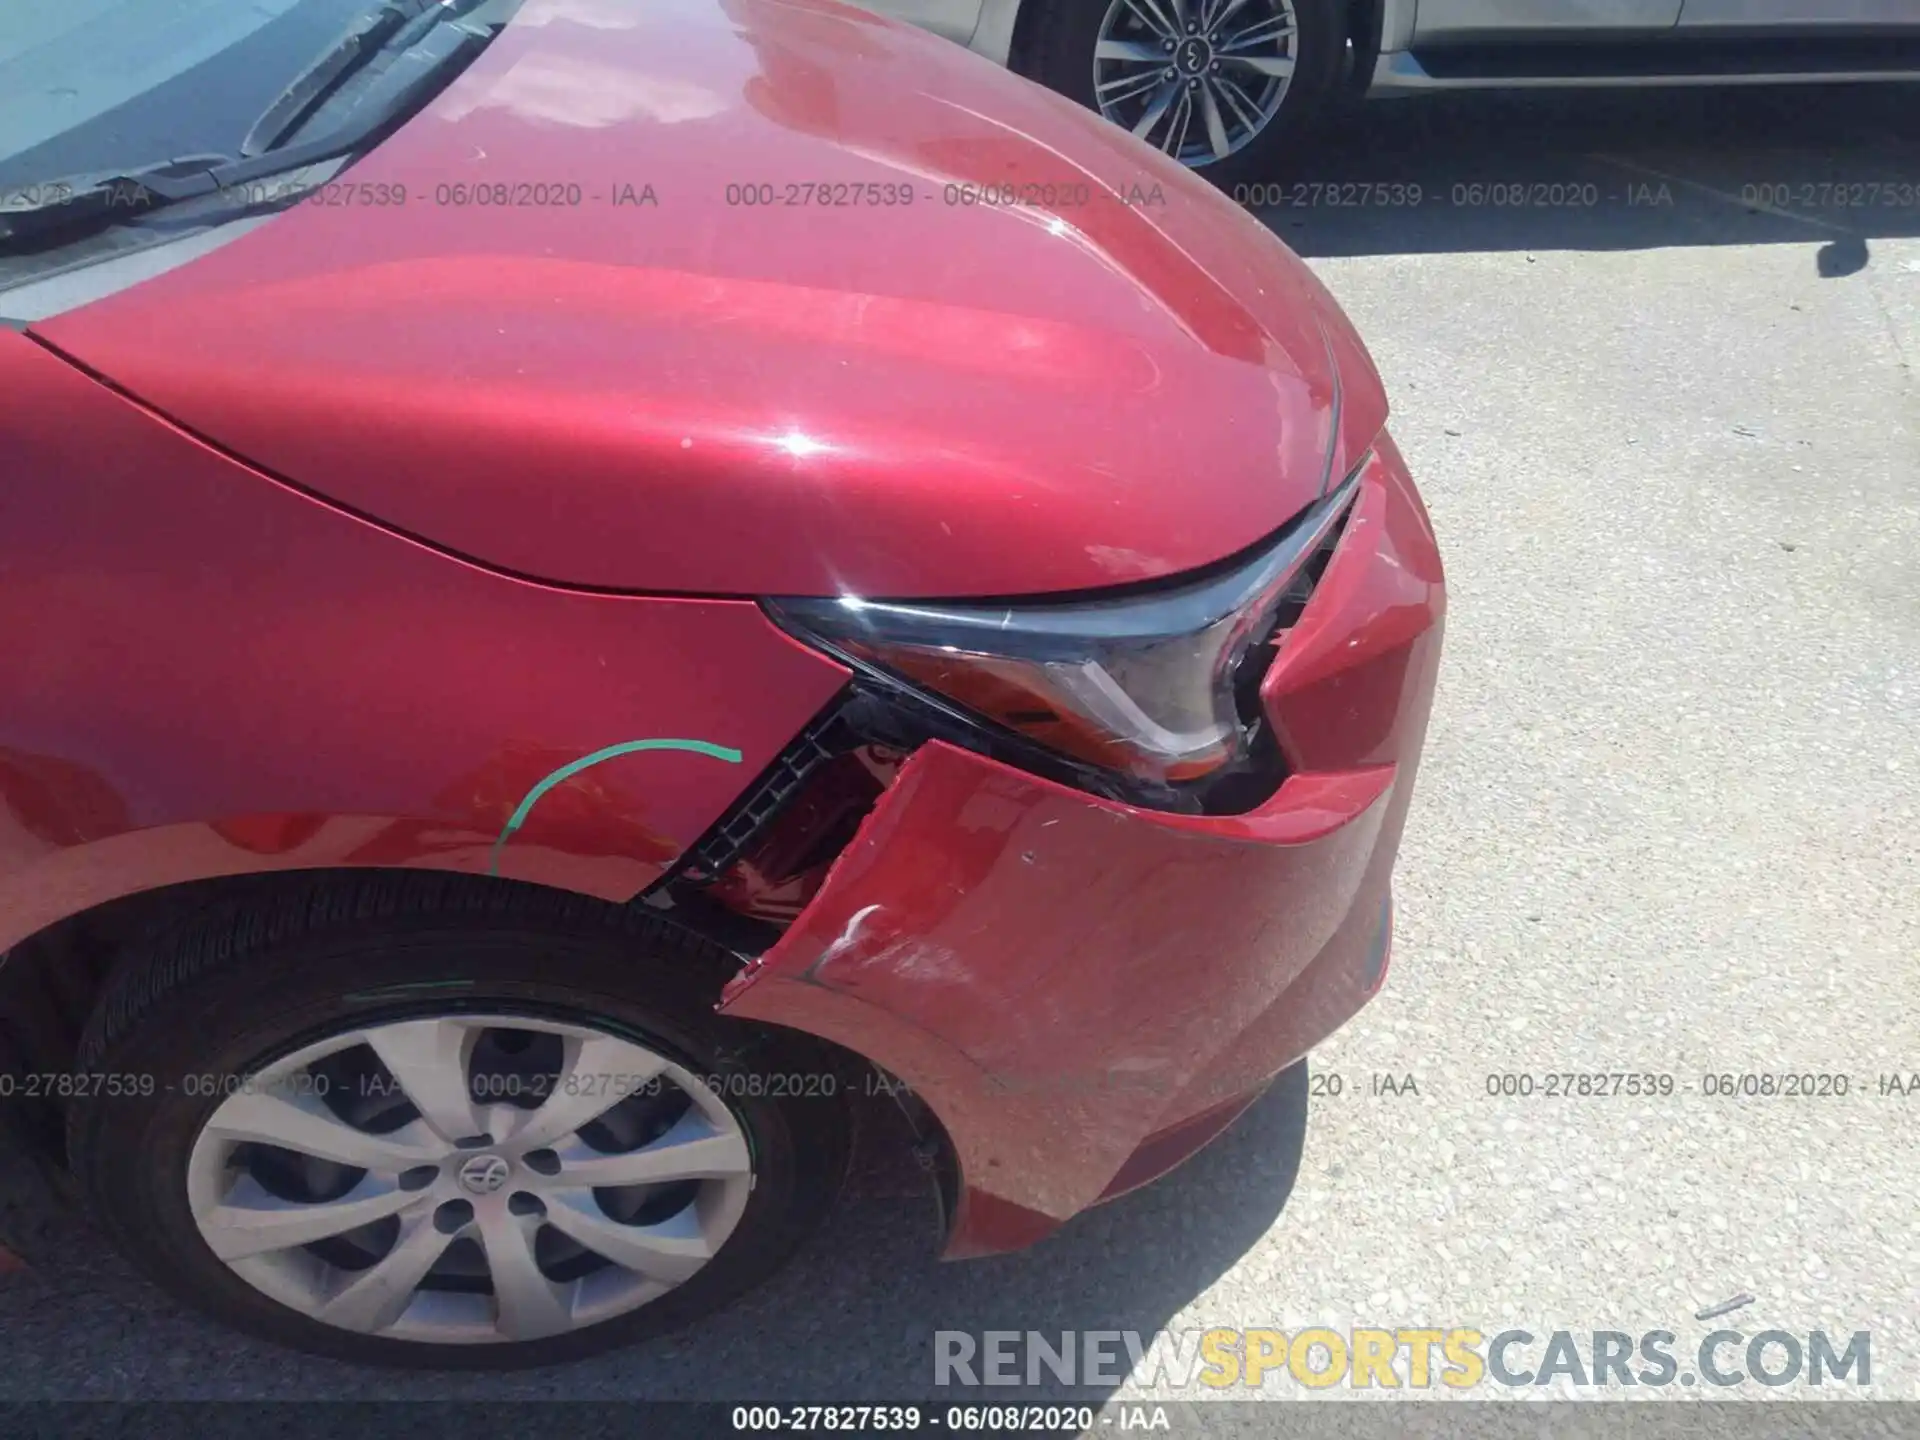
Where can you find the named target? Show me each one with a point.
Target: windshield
(105, 85)
(128, 125)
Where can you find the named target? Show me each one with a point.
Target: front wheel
(1224, 86)
(413, 1122)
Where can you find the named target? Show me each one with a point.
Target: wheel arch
(1366, 33)
(1015, 21)
(51, 982)
(1005, 32)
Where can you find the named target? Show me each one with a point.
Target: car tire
(212, 1015)
(1061, 56)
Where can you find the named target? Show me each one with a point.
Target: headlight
(1141, 683)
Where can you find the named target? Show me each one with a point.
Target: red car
(585, 585)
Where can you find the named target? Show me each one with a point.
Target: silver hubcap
(469, 1178)
(1198, 78)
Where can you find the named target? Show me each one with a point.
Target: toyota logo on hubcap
(483, 1174)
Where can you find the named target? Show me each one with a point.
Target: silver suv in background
(1227, 85)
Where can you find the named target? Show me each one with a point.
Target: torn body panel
(1067, 981)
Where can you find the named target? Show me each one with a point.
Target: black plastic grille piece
(823, 740)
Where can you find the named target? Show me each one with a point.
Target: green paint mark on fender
(568, 771)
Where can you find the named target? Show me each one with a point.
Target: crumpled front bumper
(1083, 992)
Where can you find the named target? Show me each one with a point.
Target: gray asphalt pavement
(1669, 822)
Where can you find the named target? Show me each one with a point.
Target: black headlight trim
(1275, 578)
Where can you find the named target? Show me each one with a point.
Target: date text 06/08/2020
(960, 1419)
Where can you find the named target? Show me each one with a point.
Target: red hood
(692, 395)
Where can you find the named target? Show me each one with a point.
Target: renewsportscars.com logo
(1412, 1358)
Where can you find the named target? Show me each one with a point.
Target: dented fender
(1082, 991)
(1051, 972)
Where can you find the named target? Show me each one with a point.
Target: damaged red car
(582, 585)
